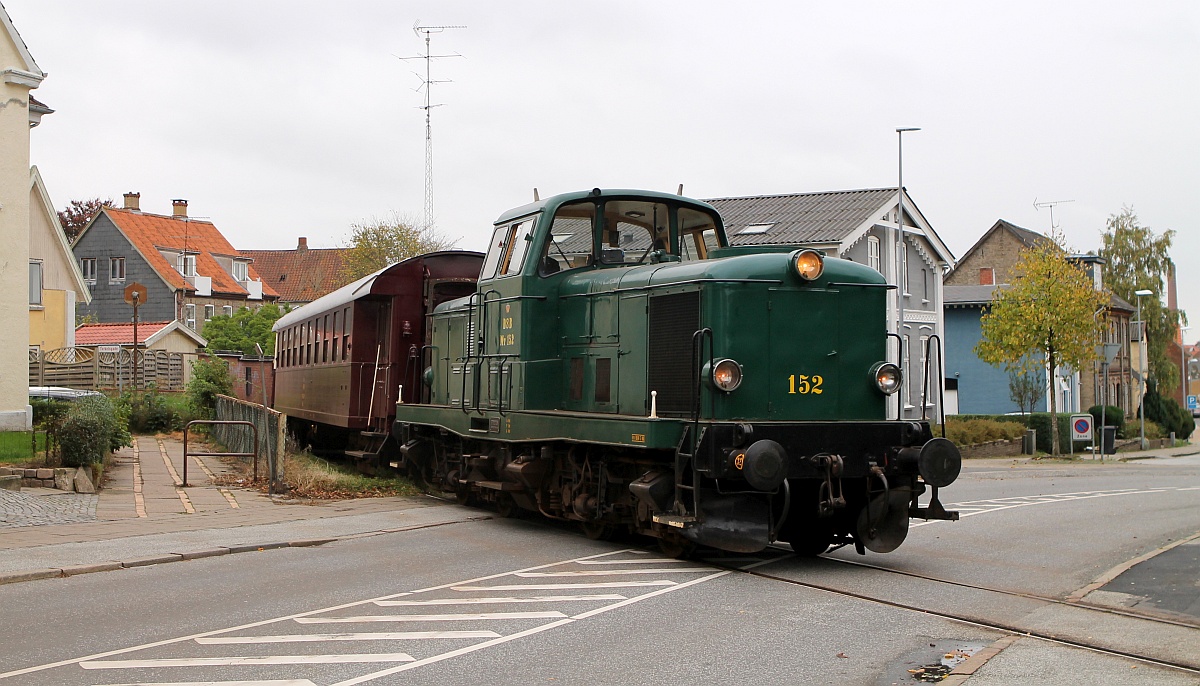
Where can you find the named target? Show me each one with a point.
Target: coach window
(334, 357)
(569, 243)
(325, 339)
(346, 329)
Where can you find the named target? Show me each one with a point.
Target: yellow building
(55, 281)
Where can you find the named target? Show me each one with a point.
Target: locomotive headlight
(887, 377)
(726, 375)
(808, 264)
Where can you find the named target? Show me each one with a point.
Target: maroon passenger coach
(344, 360)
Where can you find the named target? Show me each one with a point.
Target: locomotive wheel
(598, 531)
(506, 507)
(675, 546)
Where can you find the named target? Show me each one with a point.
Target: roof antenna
(1049, 203)
(536, 197)
(680, 191)
(427, 83)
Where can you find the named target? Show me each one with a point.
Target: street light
(900, 263)
(1183, 380)
(1142, 363)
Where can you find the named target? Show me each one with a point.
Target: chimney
(133, 201)
(178, 208)
(303, 245)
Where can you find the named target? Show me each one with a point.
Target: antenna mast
(1049, 203)
(427, 83)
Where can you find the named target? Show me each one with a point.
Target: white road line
(247, 660)
(268, 682)
(611, 572)
(464, 617)
(380, 636)
(556, 587)
(265, 622)
(523, 634)
(497, 601)
(651, 560)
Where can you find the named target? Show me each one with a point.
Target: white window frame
(904, 268)
(116, 269)
(240, 271)
(87, 265)
(187, 264)
(189, 316)
(210, 311)
(873, 252)
(227, 310)
(35, 292)
(755, 229)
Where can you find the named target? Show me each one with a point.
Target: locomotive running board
(674, 520)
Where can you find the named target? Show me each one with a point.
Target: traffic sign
(1191, 402)
(1081, 427)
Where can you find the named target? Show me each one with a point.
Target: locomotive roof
(352, 291)
(561, 198)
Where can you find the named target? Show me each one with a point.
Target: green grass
(16, 446)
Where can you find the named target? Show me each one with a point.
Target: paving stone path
(28, 509)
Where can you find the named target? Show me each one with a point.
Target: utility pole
(427, 84)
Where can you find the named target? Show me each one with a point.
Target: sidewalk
(145, 516)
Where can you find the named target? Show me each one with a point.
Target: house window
(986, 276)
(88, 266)
(189, 316)
(116, 269)
(873, 252)
(35, 283)
(187, 265)
(210, 311)
(904, 268)
(227, 310)
(755, 229)
(924, 285)
(239, 271)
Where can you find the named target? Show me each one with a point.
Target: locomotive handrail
(651, 286)
(900, 366)
(482, 332)
(885, 286)
(471, 338)
(941, 405)
(426, 394)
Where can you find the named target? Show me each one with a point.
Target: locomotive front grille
(674, 319)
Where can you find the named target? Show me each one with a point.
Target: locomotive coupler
(830, 498)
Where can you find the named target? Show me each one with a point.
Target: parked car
(59, 393)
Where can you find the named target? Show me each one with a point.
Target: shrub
(978, 430)
(48, 413)
(90, 431)
(150, 412)
(210, 378)
(1113, 416)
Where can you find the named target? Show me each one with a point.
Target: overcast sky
(284, 119)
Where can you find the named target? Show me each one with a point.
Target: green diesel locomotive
(621, 366)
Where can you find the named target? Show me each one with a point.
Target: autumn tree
(1046, 319)
(78, 213)
(1139, 259)
(378, 243)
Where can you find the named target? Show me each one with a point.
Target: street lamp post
(1142, 365)
(901, 263)
(1183, 380)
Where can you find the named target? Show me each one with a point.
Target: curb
(146, 561)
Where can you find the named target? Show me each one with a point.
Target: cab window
(522, 236)
(496, 250)
(569, 244)
(697, 235)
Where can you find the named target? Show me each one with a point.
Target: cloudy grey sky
(283, 119)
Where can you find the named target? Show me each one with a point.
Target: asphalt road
(1039, 551)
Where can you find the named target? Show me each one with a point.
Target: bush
(150, 412)
(210, 378)
(1113, 416)
(979, 430)
(48, 413)
(90, 431)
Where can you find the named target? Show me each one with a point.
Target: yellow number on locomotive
(805, 384)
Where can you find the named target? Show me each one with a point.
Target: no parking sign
(1081, 427)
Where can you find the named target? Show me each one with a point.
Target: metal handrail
(210, 422)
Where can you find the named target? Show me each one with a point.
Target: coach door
(375, 357)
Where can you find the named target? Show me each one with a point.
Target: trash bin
(1029, 444)
(1108, 442)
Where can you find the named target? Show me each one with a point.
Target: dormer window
(239, 271)
(187, 265)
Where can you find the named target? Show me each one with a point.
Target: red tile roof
(116, 334)
(301, 275)
(149, 232)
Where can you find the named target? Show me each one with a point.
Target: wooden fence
(88, 368)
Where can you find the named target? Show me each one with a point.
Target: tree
(1139, 259)
(243, 329)
(1026, 387)
(380, 242)
(1047, 318)
(78, 213)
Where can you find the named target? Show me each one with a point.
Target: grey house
(860, 225)
(191, 273)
